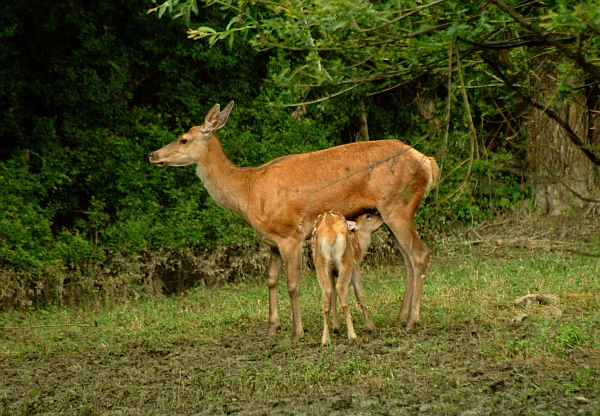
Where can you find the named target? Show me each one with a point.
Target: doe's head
(186, 150)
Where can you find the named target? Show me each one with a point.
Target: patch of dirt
(224, 378)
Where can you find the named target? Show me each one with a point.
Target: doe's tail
(434, 173)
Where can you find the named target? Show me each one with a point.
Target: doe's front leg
(275, 263)
(292, 256)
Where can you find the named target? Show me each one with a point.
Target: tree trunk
(554, 163)
(363, 132)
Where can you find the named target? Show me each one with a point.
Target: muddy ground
(180, 379)
(438, 369)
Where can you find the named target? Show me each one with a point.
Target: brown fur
(341, 245)
(282, 199)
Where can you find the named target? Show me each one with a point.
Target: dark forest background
(88, 89)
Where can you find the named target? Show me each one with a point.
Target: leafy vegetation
(89, 89)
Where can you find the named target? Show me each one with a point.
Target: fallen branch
(495, 224)
(542, 299)
(583, 253)
(471, 242)
(529, 243)
(47, 326)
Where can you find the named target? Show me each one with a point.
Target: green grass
(208, 348)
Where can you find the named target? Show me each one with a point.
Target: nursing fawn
(340, 245)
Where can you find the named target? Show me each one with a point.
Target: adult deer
(339, 244)
(282, 199)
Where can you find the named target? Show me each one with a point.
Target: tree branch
(442, 151)
(318, 100)
(397, 19)
(547, 38)
(515, 43)
(472, 130)
(264, 41)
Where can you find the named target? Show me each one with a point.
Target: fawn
(338, 244)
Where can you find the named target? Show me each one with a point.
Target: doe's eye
(183, 141)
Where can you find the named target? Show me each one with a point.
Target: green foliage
(25, 228)
(571, 336)
(87, 92)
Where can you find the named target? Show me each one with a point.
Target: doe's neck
(225, 182)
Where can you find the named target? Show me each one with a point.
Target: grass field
(474, 352)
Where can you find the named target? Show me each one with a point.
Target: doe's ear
(351, 225)
(224, 115)
(212, 118)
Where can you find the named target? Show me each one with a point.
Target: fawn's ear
(351, 225)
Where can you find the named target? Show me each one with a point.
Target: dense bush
(87, 90)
